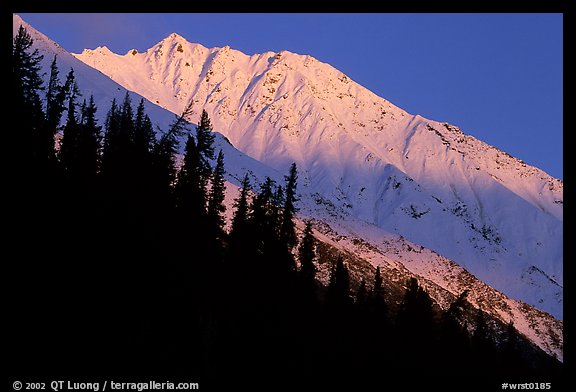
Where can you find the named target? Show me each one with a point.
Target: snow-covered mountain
(413, 196)
(425, 180)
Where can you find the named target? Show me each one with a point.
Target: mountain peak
(173, 39)
(100, 50)
(175, 36)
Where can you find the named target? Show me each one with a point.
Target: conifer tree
(118, 152)
(55, 97)
(416, 308)
(54, 106)
(143, 132)
(245, 257)
(242, 243)
(216, 207)
(362, 294)
(111, 153)
(89, 144)
(69, 149)
(306, 255)
(482, 345)
(512, 361)
(454, 316)
(339, 285)
(416, 325)
(164, 162)
(26, 78)
(287, 228)
(454, 337)
(190, 192)
(205, 150)
(276, 215)
(205, 138)
(263, 224)
(26, 85)
(378, 289)
(127, 122)
(376, 297)
(143, 144)
(263, 211)
(241, 215)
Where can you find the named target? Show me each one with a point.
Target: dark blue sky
(499, 77)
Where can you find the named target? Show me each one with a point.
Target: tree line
(128, 264)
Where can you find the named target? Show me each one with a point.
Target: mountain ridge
(362, 153)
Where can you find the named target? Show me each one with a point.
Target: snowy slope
(335, 222)
(428, 181)
(89, 80)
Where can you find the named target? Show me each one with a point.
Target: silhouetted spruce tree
(263, 225)
(339, 286)
(109, 148)
(376, 297)
(361, 294)
(211, 248)
(276, 247)
(54, 96)
(263, 216)
(37, 146)
(127, 122)
(378, 313)
(55, 104)
(216, 207)
(89, 145)
(205, 138)
(287, 228)
(281, 217)
(144, 137)
(205, 146)
(164, 162)
(194, 175)
(416, 308)
(190, 191)
(129, 179)
(339, 315)
(512, 362)
(267, 219)
(454, 338)
(416, 326)
(239, 229)
(143, 140)
(482, 344)
(69, 148)
(278, 199)
(241, 240)
(307, 272)
(116, 154)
